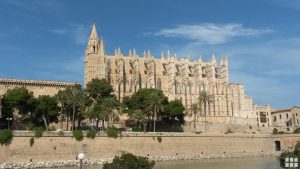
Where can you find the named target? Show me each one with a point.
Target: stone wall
(52, 147)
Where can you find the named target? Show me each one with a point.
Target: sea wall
(52, 147)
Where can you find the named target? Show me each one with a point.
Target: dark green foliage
(137, 129)
(112, 133)
(91, 134)
(297, 130)
(38, 132)
(275, 131)
(31, 141)
(295, 153)
(140, 100)
(142, 104)
(78, 134)
(129, 161)
(5, 136)
(21, 99)
(297, 149)
(46, 111)
(97, 89)
(175, 110)
(159, 139)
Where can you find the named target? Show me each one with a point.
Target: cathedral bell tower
(94, 57)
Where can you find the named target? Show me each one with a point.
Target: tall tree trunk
(145, 127)
(102, 124)
(194, 122)
(78, 122)
(67, 122)
(61, 117)
(154, 120)
(97, 124)
(205, 117)
(45, 122)
(73, 120)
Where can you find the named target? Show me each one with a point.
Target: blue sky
(46, 39)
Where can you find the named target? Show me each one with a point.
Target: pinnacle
(94, 34)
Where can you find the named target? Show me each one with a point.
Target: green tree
(98, 89)
(139, 119)
(109, 107)
(205, 99)
(155, 105)
(46, 111)
(175, 111)
(20, 99)
(194, 110)
(129, 161)
(75, 97)
(61, 98)
(145, 100)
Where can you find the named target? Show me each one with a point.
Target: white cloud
(211, 33)
(78, 32)
(268, 68)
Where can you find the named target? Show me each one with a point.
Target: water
(249, 163)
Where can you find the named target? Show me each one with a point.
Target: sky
(46, 39)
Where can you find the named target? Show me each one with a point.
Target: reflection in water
(249, 163)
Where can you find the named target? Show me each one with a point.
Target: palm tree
(75, 97)
(155, 104)
(109, 106)
(194, 110)
(205, 99)
(61, 98)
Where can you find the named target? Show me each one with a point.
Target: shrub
(137, 129)
(91, 134)
(38, 132)
(78, 134)
(31, 141)
(5, 136)
(112, 133)
(159, 139)
(275, 131)
(297, 130)
(129, 161)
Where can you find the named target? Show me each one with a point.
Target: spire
(222, 61)
(213, 60)
(149, 54)
(94, 34)
(169, 56)
(145, 54)
(225, 61)
(162, 56)
(175, 56)
(130, 53)
(134, 52)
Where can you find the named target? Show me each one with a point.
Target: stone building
(37, 87)
(263, 115)
(179, 78)
(286, 117)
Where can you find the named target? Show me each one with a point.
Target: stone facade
(37, 87)
(286, 117)
(263, 115)
(173, 145)
(178, 78)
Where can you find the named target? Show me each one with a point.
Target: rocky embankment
(52, 164)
